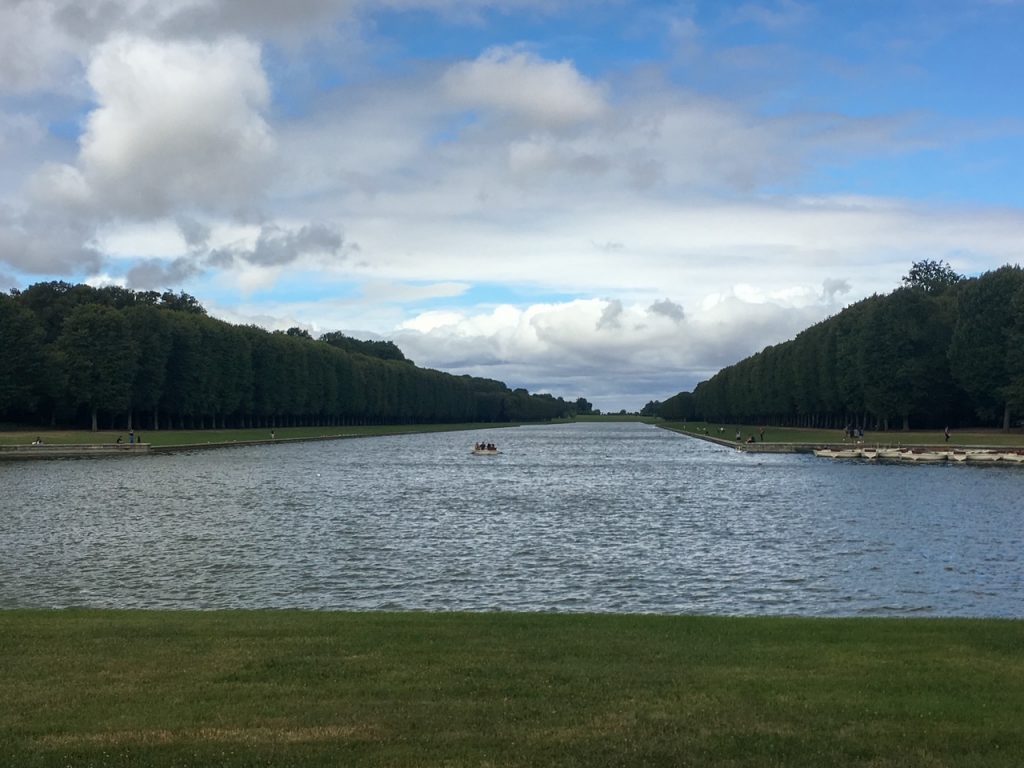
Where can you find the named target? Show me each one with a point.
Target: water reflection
(587, 517)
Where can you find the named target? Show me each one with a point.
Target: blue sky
(609, 200)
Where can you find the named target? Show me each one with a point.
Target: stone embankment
(750, 447)
(65, 451)
(771, 447)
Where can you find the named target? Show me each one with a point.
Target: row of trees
(939, 350)
(77, 355)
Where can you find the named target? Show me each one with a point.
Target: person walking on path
(946, 432)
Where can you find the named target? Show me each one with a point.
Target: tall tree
(980, 350)
(52, 302)
(22, 360)
(907, 372)
(99, 357)
(151, 332)
(1015, 352)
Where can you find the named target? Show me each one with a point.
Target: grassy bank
(613, 417)
(179, 437)
(287, 688)
(793, 435)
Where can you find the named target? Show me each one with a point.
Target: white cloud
(518, 83)
(177, 127)
(256, 261)
(178, 124)
(44, 241)
(394, 292)
(35, 51)
(646, 353)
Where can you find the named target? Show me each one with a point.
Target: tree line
(73, 355)
(939, 350)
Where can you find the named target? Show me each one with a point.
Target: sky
(610, 200)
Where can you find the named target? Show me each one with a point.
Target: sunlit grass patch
(307, 688)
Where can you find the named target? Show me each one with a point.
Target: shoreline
(62, 450)
(810, 447)
(65, 450)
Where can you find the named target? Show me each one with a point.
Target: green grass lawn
(419, 689)
(176, 437)
(979, 437)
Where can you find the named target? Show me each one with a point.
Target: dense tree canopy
(78, 355)
(941, 350)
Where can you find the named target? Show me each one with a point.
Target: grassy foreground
(97, 688)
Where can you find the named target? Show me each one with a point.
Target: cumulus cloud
(519, 83)
(834, 287)
(276, 246)
(668, 308)
(42, 41)
(611, 316)
(47, 242)
(256, 263)
(196, 233)
(177, 124)
(150, 274)
(568, 347)
(34, 50)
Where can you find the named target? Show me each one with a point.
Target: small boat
(485, 449)
(983, 455)
(889, 454)
(838, 453)
(923, 455)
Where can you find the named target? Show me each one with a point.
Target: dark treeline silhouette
(939, 350)
(80, 356)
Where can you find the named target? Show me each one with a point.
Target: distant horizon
(602, 200)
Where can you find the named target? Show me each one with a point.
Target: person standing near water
(946, 433)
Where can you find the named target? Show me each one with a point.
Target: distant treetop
(931, 276)
(385, 350)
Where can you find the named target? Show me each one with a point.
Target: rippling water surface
(582, 517)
